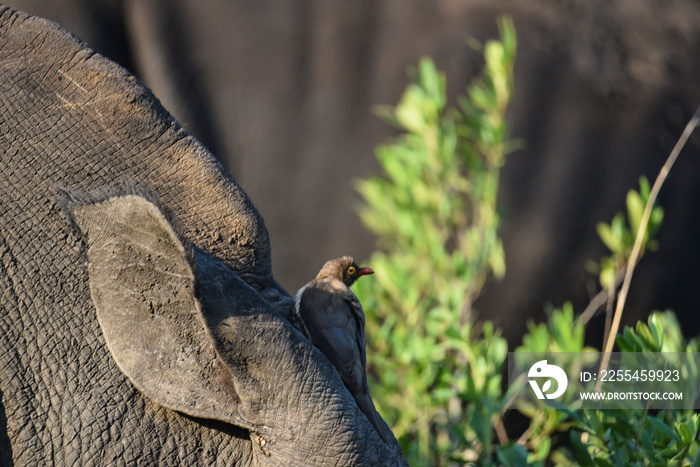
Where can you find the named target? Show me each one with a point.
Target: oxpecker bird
(331, 316)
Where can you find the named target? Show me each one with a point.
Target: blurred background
(283, 91)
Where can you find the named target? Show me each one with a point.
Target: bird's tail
(364, 401)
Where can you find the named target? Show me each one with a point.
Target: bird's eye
(351, 270)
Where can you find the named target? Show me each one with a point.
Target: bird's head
(344, 269)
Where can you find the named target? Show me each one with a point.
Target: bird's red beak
(364, 272)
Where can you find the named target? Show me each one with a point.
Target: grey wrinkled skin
(139, 320)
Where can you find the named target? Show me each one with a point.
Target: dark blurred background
(282, 91)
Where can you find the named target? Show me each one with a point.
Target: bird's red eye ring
(351, 270)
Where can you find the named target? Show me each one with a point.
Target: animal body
(333, 320)
(140, 322)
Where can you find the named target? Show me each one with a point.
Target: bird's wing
(331, 317)
(359, 315)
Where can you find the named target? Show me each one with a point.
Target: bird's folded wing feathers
(337, 332)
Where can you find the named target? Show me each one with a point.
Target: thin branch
(500, 431)
(660, 179)
(608, 314)
(523, 440)
(600, 299)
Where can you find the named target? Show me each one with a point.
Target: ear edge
(69, 201)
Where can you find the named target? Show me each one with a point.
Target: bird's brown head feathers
(344, 269)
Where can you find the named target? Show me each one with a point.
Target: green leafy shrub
(435, 370)
(436, 374)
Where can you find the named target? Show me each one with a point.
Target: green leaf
(497, 261)
(646, 441)
(620, 232)
(433, 83)
(408, 112)
(650, 342)
(661, 426)
(608, 275)
(610, 240)
(494, 53)
(655, 219)
(635, 210)
(696, 461)
(684, 432)
(508, 37)
(512, 455)
(644, 188)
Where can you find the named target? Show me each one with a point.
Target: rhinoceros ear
(142, 283)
